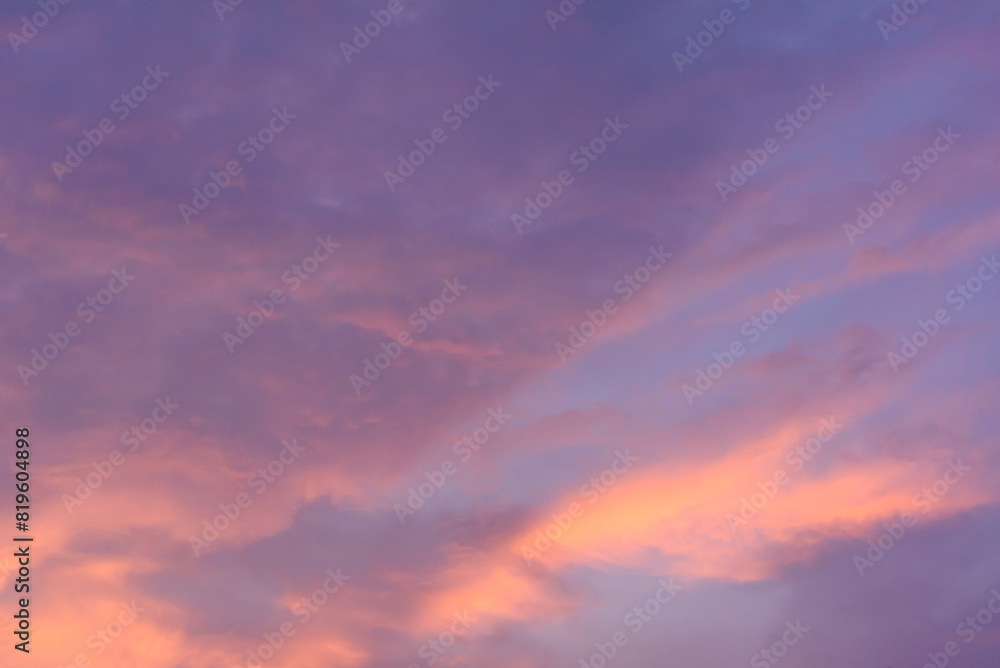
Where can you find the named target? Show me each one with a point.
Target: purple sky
(619, 295)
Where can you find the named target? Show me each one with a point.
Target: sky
(511, 335)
